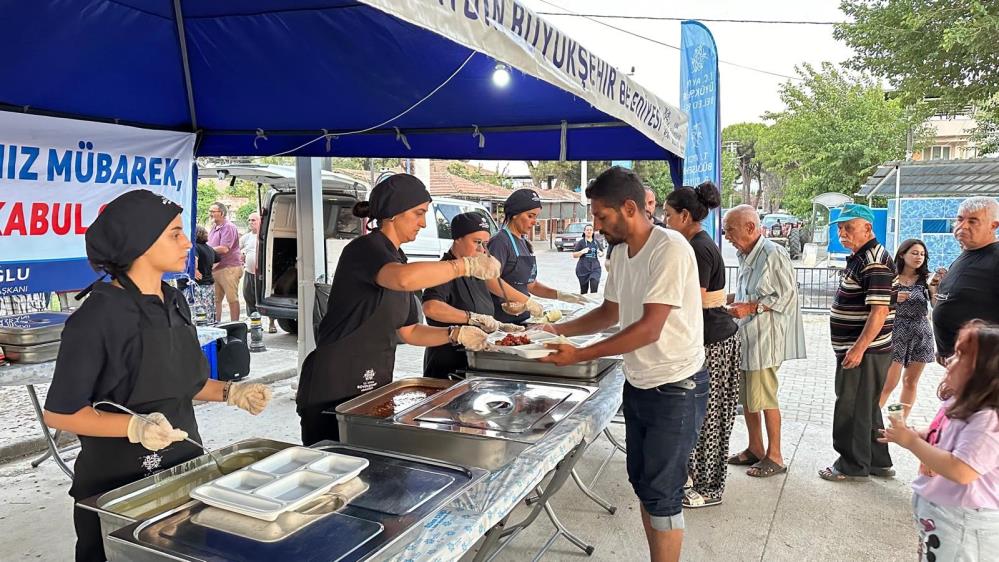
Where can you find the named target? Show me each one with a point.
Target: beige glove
(511, 328)
(472, 338)
(571, 298)
(518, 308)
(156, 435)
(487, 323)
(482, 267)
(250, 396)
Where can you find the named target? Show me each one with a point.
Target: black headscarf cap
(126, 228)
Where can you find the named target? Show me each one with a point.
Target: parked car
(778, 225)
(567, 240)
(434, 240)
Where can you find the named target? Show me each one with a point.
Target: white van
(277, 248)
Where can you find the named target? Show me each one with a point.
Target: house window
(938, 226)
(936, 153)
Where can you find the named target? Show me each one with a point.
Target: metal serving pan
(40, 353)
(32, 329)
(393, 398)
(484, 422)
(402, 493)
(507, 363)
(170, 488)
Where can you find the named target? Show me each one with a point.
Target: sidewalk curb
(36, 445)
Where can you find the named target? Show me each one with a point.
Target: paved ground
(791, 517)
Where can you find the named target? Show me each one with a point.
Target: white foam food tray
(282, 482)
(536, 349)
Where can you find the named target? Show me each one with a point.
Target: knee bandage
(667, 523)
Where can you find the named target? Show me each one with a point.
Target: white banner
(511, 33)
(55, 177)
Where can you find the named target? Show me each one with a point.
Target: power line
(668, 18)
(658, 42)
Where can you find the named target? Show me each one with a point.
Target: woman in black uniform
(463, 300)
(132, 342)
(588, 251)
(372, 307)
(520, 267)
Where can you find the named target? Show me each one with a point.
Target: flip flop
(831, 474)
(765, 469)
(745, 458)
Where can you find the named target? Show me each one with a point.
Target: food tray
(536, 349)
(32, 329)
(40, 353)
(280, 483)
(373, 404)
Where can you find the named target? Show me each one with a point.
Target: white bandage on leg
(667, 523)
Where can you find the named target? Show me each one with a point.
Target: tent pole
(182, 39)
(898, 206)
(311, 247)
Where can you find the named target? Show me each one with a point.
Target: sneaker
(694, 500)
(883, 472)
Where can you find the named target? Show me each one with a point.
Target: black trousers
(89, 541)
(588, 283)
(319, 422)
(857, 418)
(250, 292)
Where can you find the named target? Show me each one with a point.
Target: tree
(207, 194)
(742, 138)
(836, 129)
(927, 47)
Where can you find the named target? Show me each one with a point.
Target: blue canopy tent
(378, 78)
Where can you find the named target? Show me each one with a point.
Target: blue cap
(852, 211)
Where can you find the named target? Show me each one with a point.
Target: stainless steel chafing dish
(32, 329)
(482, 422)
(170, 488)
(393, 496)
(506, 363)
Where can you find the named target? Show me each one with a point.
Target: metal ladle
(218, 463)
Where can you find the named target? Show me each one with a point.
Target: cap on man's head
(852, 211)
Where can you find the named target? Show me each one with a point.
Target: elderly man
(860, 324)
(970, 290)
(766, 304)
(248, 247)
(224, 239)
(654, 293)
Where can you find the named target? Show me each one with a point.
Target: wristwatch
(760, 309)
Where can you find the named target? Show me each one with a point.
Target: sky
(745, 94)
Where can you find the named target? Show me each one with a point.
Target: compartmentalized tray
(280, 483)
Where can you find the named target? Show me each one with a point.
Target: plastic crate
(211, 353)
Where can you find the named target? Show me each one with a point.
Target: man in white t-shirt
(248, 245)
(654, 292)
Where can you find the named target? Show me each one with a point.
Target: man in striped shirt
(860, 324)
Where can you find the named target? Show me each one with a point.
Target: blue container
(211, 352)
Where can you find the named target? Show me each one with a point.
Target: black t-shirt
(464, 293)
(355, 295)
(101, 346)
(718, 324)
(970, 290)
(206, 259)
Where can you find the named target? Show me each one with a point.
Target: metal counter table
(28, 375)
(485, 508)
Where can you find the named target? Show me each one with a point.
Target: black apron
(470, 295)
(518, 272)
(172, 370)
(357, 363)
(588, 266)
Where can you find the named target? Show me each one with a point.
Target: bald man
(769, 316)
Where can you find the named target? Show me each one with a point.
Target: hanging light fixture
(501, 75)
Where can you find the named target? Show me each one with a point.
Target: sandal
(831, 474)
(765, 469)
(745, 458)
(693, 500)
(883, 472)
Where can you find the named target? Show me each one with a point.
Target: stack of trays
(32, 338)
(280, 483)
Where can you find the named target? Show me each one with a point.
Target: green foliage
(927, 47)
(244, 211)
(836, 128)
(207, 194)
(730, 172)
(474, 174)
(743, 138)
(985, 135)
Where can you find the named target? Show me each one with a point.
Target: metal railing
(816, 286)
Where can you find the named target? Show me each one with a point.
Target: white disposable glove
(154, 434)
(511, 328)
(250, 396)
(488, 324)
(571, 298)
(482, 267)
(518, 308)
(472, 338)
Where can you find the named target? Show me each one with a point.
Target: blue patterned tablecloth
(459, 525)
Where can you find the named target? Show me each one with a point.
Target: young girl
(956, 495)
(912, 337)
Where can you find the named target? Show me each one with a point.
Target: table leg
(53, 449)
(560, 530)
(591, 494)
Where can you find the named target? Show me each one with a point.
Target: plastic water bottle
(200, 316)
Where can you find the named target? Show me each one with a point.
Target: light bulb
(501, 75)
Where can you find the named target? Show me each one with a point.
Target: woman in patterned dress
(912, 338)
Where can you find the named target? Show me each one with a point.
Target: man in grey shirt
(766, 305)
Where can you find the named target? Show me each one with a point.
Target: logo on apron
(369, 381)
(151, 462)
